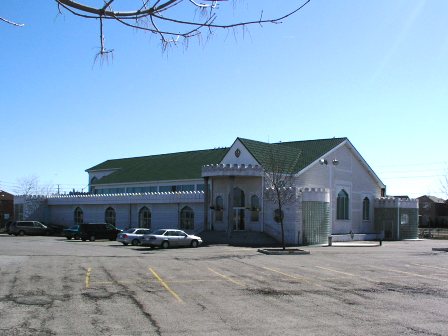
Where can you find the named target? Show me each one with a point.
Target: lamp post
(334, 163)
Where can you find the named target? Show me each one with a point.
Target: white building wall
(351, 175)
(222, 187)
(291, 222)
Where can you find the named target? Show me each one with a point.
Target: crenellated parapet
(394, 202)
(126, 198)
(315, 195)
(232, 170)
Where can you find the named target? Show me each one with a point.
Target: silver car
(165, 238)
(132, 236)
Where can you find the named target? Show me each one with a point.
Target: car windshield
(159, 232)
(74, 227)
(129, 231)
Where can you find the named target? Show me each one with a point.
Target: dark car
(72, 232)
(21, 228)
(93, 231)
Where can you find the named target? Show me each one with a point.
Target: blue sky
(373, 71)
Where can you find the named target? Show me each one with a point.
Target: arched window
(238, 198)
(219, 209)
(255, 208)
(187, 218)
(109, 216)
(78, 216)
(342, 205)
(144, 218)
(366, 208)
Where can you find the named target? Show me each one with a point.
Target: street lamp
(334, 162)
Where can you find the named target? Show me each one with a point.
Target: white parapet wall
(127, 198)
(315, 195)
(232, 170)
(393, 202)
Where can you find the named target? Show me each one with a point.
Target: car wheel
(76, 236)
(68, 238)
(92, 238)
(135, 242)
(83, 239)
(194, 243)
(125, 244)
(165, 244)
(21, 233)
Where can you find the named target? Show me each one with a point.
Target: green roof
(292, 156)
(175, 166)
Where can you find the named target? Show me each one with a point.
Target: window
(342, 205)
(366, 209)
(144, 218)
(166, 188)
(187, 218)
(109, 216)
(238, 198)
(278, 215)
(404, 220)
(200, 187)
(78, 216)
(219, 209)
(255, 208)
(141, 189)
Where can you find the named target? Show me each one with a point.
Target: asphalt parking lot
(52, 286)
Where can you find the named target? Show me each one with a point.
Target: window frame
(342, 205)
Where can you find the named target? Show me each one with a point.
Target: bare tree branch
(159, 17)
(11, 22)
(279, 177)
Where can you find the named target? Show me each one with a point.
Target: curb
(283, 252)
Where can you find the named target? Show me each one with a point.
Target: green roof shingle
(294, 156)
(291, 156)
(175, 166)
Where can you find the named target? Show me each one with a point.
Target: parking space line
(301, 278)
(88, 277)
(435, 267)
(410, 273)
(349, 274)
(164, 284)
(226, 277)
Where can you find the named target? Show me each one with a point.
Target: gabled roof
(294, 156)
(175, 166)
(433, 199)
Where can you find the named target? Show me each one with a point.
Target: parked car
(21, 228)
(132, 236)
(72, 232)
(93, 231)
(165, 238)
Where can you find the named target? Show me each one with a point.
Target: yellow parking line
(335, 271)
(292, 276)
(349, 274)
(427, 266)
(226, 277)
(163, 283)
(88, 277)
(410, 273)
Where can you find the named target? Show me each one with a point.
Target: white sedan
(132, 236)
(165, 238)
